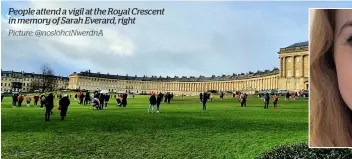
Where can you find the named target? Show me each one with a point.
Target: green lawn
(181, 130)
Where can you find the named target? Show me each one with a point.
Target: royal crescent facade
(292, 75)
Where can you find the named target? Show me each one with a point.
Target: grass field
(181, 130)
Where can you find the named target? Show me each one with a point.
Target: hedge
(301, 150)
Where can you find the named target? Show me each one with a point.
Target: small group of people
(100, 100)
(156, 100)
(83, 99)
(121, 100)
(17, 99)
(168, 97)
(266, 98)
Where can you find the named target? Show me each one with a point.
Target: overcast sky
(191, 39)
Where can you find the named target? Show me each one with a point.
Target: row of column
(250, 84)
(284, 67)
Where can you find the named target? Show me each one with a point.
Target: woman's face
(343, 53)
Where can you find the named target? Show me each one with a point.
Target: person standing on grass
(266, 101)
(81, 97)
(42, 101)
(243, 100)
(275, 100)
(204, 101)
(288, 96)
(169, 96)
(172, 96)
(76, 96)
(107, 98)
(36, 99)
(101, 101)
(124, 100)
(14, 100)
(200, 97)
(64, 103)
(152, 103)
(49, 105)
(28, 100)
(158, 101)
(20, 100)
(2, 97)
(87, 98)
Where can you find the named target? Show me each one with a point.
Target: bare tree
(47, 75)
(35, 85)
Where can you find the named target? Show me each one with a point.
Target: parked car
(282, 92)
(305, 93)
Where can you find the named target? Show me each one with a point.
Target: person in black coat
(124, 100)
(158, 101)
(14, 99)
(204, 101)
(81, 97)
(266, 101)
(152, 102)
(87, 98)
(107, 98)
(101, 101)
(64, 103)
(288, 96)
(169, 96)
(49, 105)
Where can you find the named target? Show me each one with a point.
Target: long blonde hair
(330, 118)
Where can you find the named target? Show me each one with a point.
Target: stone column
(284, 67)
(302, 66)
(294, 66)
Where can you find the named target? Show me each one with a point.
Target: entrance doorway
(307, 86)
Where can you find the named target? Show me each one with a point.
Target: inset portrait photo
(330, 78)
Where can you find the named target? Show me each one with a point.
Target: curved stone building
(292, 75)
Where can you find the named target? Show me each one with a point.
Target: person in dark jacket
(172, 96)
(169, 96)
(87, 98)
(204, 101)
(107, 98)
(152, 103)
(49, 105)
(124, 100)
(158, 101)
(266, 101)
(81, 98)
(64, 103)
(101, 101)
(42, 101)
(201, 97)
(288, 96)
(14, 100)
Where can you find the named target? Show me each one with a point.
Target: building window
(297, 73)
(297, 85)
(5, 84)
(297, 60)
(289, 60)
